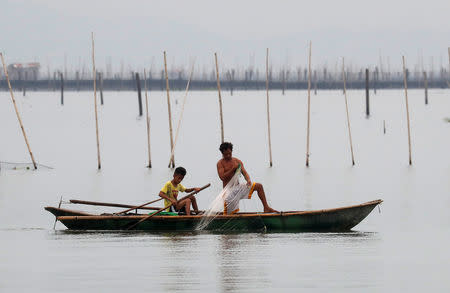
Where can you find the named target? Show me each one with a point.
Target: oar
(107, 204)
(56, 218)
(135, 208)
(167, 207)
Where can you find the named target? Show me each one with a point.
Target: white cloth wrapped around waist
(232, 197)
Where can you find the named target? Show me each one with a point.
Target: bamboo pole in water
(367, 94)
(77, 74)
(101, 87)
(407, 109)
(24, 88)
(448, 82)
(309, 106)
(94, 75)
(425, 81)
(172, 157)
(62, 88)
(346, 109)
(220, 98)
(268, 106)
(148, 121)
(17, 112)
(138, 88)
(315, 82)
(182, 109)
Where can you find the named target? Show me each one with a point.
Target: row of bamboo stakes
(172, 143)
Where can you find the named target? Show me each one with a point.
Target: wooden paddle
(56, 218)
(135, 208)
(107, 204)
(167, 207)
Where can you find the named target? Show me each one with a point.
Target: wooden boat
(328, 220)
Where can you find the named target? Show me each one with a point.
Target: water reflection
(240, 261)
(180, 257)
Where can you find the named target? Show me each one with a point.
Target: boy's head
(178, 174)
(226, 148)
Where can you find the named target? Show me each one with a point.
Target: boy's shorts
(180, 211)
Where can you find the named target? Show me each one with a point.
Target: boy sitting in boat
(170, 192)
(229, 169)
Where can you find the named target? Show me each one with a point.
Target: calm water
(405, 247)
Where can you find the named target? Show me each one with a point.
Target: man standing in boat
(229, 169)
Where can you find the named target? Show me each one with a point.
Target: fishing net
(21, 166)
(228, 202)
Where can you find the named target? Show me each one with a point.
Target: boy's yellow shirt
(171, 191)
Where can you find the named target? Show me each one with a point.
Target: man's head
(226, 148)
(178, 175)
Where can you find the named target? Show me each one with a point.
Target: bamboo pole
(62, 88)
(232, 81)
(220, 98)
(78, 80)
(309, 105)
(56, 219)
(407, 109)
(107, 204)
(24, 87)
(138, 88)
(94, 74)
(17, 112)
(138, 207)
(367, 94)
(148, 121)
(448, 81)
(172, 157)
(100, 77)
(425, 80)
(375, 80)
(182, 110)
(346, 109)
(268, 106)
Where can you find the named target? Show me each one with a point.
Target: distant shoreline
(180, 85)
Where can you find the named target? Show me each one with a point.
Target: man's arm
(244, 172)
(225, 176)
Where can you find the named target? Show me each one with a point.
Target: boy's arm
(192, 189)
(163, 195)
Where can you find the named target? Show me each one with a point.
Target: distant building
(24, 71)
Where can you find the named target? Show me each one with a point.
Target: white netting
(21, 166)
(227, 200)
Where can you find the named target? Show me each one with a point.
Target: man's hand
(249, 182)
(173, 201)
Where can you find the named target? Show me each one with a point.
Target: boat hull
(330, 220)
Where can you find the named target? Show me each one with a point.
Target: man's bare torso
(228, 165)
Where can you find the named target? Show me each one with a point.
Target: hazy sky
(137, 32)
